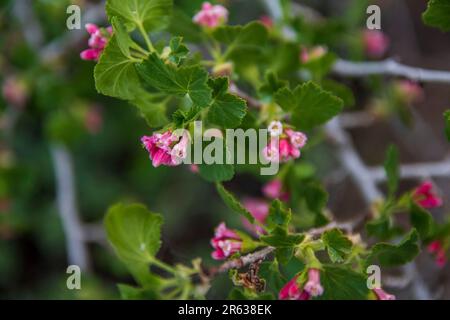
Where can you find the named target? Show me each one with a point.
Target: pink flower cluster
(424, 196)
(97, 42)
(166, 148)
(383, 295)
(285, 144)
(376, 43)
(211, 16)
(438, 250)
(226, 242)
(312, 288)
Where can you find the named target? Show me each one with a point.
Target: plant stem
(146, 38)
(162, 265)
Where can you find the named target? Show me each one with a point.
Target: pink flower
(298, 139)
(97, 41)
(15, 92)
(409, 91)
(424, 196)
(382, 295)
(271, 151)
(437, 248)
(376, 43)
(275, 128)
(274, 190)
(166, 148)
(266, 21)
(291, 291)
(259, 209)
(284, 145)
(285, 152)
(310, 54)
(211, 16)
(226, 242)
(179, 151)
(434, 246)
(313, 286)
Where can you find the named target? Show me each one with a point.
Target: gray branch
(416, 171)
(389, 67)
(67, 206)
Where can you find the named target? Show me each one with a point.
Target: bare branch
(352, 162)
(23, 10)
(357, 119)
(416, 171)
(389, 67)
(243, 261)
(67, 207)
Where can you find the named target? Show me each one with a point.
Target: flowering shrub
(126, 70)
(281, 77)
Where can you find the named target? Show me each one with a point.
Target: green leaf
(447, 124)
(283, 58)
(134, 232)
(280, 238)
(284, 254)
(181, 118)
(226, 110)
(309, 104)
(337, 244)
(392, 169)
(183, 81)
(380, 228)
(272, 84)
(115, 74)
(150, 14)
(270, 272)
(132, 293)
(152, 108)
(389, 255)
(216, 172)
(178, 51)
(342, 283)
(420, 219)
(182, 25)
(278, 216)
(122, 37)
(339, 90)
(320, 67)
(232, 203)
(438, 14)
(241, 40)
